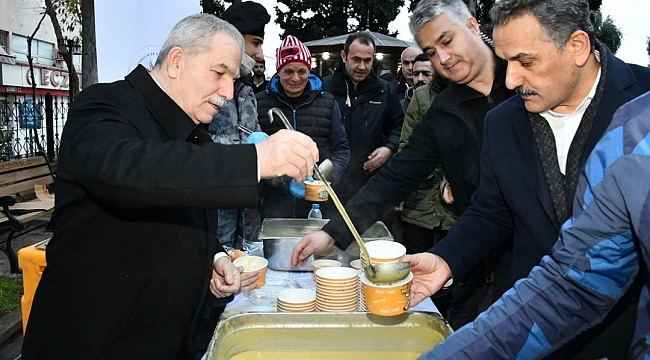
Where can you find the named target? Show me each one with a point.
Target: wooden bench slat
(29, 216)
(33, 205)
(21, 175)
(15, 165)
(25, 185)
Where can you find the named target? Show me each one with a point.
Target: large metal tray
(280, 237)
(344, 335)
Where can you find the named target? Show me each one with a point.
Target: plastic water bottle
(315, 213)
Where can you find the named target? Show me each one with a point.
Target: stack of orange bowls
(337, 289)
(297, 300)
(356, 264)
(323, 263)
(380, 251)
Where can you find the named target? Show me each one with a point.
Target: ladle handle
(344, 214)
(331, 192)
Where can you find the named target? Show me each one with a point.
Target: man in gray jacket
(249, 18)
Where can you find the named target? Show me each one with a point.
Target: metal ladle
(382, 273)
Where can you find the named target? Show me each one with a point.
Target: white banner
(131, 32)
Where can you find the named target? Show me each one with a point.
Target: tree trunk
(51, 13)
(89, 44)
(60, 42)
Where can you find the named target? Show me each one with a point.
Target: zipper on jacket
(490, 101)
(239, 120)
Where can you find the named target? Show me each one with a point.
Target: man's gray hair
(427, 10)
(193, 35)
(559, 18)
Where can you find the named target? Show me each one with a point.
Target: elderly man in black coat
(139, 181)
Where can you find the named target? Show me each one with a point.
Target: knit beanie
(248, 17)
(292, 50)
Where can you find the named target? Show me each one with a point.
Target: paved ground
(11, 324)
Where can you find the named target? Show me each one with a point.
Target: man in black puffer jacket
(298, 94)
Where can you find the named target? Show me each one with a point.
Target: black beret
(248, 17)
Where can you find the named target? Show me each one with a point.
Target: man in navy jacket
(534, 146)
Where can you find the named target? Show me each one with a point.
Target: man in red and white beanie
(299, 94)
(292, 50)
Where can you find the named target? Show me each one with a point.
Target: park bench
(18, 178)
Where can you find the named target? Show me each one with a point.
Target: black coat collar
(456, 94)
(175, 122)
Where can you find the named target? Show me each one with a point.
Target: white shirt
(565, 126)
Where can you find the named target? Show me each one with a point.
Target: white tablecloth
(264, 299)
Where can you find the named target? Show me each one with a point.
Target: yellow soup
(325, 355)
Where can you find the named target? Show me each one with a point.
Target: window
(4, 40)
(42, 51)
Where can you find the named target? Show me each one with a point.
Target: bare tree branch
(29, 56)
(33, 81)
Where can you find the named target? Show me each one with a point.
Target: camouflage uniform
(242, 109)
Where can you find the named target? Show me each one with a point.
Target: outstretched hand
(310, 244)
(378, 158)
(430, 273)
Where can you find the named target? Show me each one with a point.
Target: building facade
(26, 115)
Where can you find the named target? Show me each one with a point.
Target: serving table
(252, 328)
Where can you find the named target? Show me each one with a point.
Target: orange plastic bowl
(387, 299)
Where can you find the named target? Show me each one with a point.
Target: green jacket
(424, 206)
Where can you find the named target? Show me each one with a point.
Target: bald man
(407, 60)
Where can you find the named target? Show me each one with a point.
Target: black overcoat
(134, 226)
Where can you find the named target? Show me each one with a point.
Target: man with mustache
(422, 74)
(422, 71)
(534, 147)
(139, 182)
